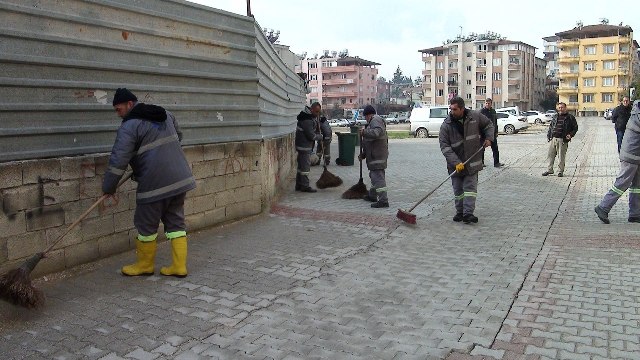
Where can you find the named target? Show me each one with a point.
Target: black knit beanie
(123, 95)
(368, 110)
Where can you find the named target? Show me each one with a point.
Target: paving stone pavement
(319, 277)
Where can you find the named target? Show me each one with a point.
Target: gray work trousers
(304, 166)
(378, 188)
(628, 178)
(557, 146)
(327, 150)
(465, 191)
(170, 211)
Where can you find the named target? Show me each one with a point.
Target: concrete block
(213, 151)
(199, 204)
(21, 198)
(73, 237)
(257, 192)
(194, 153)
(131, 199)
(251, 148)
(206, 219)
(19, 247)
(243, 194)
(90, 187)
(44, 217)
(205, 169)
(232, 165)
(114, 244)
(101, 163)
(81, 253)
(234, 181)
(252, 163)
(3, 250)
(37, 171)
(123, 220)
(242, 209)
(210, 185)
(15, 224)
(54, 262)
(97, 227)
(224, 198)
(233, 149)
(10, 174)
(60, 192)
(73, 210)
(77, 167)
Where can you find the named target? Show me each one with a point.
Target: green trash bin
(354, 130)
(346, 148)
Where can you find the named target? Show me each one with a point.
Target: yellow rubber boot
(146, 253)
(179, 254)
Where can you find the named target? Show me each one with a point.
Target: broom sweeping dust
(15, 285)
(359, 190)
(410, 218)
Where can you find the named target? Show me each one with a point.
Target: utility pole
(249, 8)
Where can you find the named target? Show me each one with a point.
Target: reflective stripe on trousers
(628, 178)
(465, 191)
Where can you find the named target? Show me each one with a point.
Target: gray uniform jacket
(149, 140)
(306, 131)
(325, 128)
(375, 144)
(458, 141)
(630, 148)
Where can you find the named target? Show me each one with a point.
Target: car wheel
(509, 129)
(538, 122)
(422, 133)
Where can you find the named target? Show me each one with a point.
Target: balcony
(568, 59)
(339, 69)
(426, 72)
(452, 83)
(514, 96)
(514, 66)
(481, 82)
(514, 81)
(568, 42)
(339, 94)
(338, 82)
(567, 90)
(572, 106)
(567, 74)
(624, 39)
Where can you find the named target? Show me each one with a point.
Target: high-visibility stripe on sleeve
(299, 148)
(116, 171)
(471, 137)
(458, 143)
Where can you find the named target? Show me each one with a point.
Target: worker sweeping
(324, 146)
(149, 140)
(307, 133)
(460, 139)
(376, 151)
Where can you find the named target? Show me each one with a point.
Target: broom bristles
(328, 180)
(357, 191)
(16, 288)
(406, 216)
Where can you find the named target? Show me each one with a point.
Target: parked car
(511, 124)
(390, 119)
(338, 122)
(402, 117)
(537, 117)
(550, 112)
(608, 114)
(426, 121)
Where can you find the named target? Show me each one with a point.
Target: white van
(426, 121)
(513, 110)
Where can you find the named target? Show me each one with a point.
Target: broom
(359, 190)
(327, 179)
(15, 285)
(410, 218)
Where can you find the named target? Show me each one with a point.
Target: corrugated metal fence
(61, 61)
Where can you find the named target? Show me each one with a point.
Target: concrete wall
(60, 63)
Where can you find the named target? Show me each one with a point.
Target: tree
(550, 100)
(635, 84)
(397, 76)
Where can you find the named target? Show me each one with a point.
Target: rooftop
(591, 31)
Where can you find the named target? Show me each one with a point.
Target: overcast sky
(391, 32)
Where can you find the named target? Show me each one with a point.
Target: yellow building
(595, 67)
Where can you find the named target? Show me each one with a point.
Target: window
(624, 49)
(573, 98)
(573, 68)
(607, 97)
(440, 92)
(497, 90)
(574, 52)
(587, 98)
(468, 82)
(440, 65)
(373, 77)
(468, 68)
(481, 90)
(590, 66)
(481, 62)
(481, 77)
(608, 48)
(343, 76)
(313, 77)
(468, 96)
(440, 79)
(343, 100)
(313, 65)
(590, 82)
(497, 62)
(482, 47)
(501, 115)
(607, 81)
(453, 64)
(439, 113)
(590, 50)
(453, 50)
(497, 76)
(514, 60)
(609, 65)
(468, 54)
(313, 89)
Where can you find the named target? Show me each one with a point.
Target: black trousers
(496, 153)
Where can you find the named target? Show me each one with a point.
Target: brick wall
(41, 198)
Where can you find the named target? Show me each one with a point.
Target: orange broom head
(406, 216)
(328, 180)
(16, 287)
(357, 191)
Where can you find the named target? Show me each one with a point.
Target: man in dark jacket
(629, 176)
(620, 117)
(324, 145)
(562, 129)
(306, 135)
(375, 144)
(490, 113)
(461, 136)
(149, 140)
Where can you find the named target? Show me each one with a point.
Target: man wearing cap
(375, 144)
(148, 139)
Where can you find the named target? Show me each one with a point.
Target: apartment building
(384, 91)
(539, 82)
(340, 80)
(595, 67)
(478, 67)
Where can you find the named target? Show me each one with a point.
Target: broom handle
(359, 158)
(445, 180)
(322, 145)
(85, 214)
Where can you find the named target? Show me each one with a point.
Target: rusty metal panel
(61, 61)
